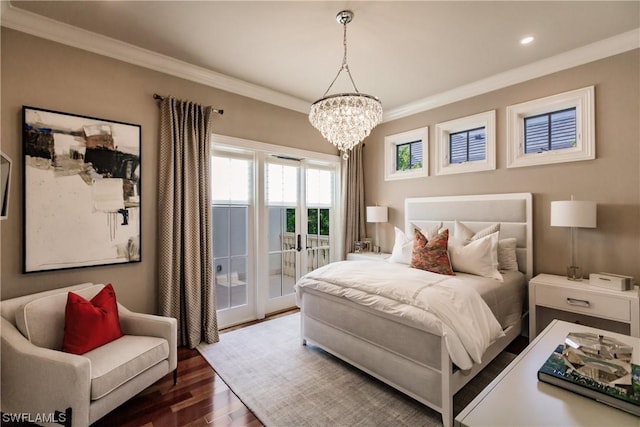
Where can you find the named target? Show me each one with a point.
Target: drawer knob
(578, 302)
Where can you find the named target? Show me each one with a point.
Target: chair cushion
(41, 320)
(117, 362)
(90, 324)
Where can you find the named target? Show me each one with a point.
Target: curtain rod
(160, 98)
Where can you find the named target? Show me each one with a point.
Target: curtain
(354, 224)
(185, 243)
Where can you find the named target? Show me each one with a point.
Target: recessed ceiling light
(526, 40)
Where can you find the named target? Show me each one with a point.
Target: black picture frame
(5, 185)
(82, 191)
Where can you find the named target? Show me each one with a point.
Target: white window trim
(487, 120)
(390, 143)
(584, 102)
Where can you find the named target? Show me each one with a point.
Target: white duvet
(439, 304)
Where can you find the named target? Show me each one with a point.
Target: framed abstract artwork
(81, 191)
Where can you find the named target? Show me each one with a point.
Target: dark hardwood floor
(200, 398)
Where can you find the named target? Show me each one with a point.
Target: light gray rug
(287, 384)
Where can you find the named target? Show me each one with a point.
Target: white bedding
(436, 303)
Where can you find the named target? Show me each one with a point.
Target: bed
(396, 348)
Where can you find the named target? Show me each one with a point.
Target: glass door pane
(319, 202)
(283, 228)
(230, 225)
(318, 244)
(232, 216)
(282, 251)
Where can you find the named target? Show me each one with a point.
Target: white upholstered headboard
(512, 210)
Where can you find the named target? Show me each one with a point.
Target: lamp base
(574, 273)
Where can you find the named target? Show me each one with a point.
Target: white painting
(82, 191)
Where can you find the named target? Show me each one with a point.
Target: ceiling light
(345, 119)
(527, 40)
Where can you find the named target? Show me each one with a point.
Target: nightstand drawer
(588, 303)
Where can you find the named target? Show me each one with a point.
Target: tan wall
(44, 74)
(612, 179)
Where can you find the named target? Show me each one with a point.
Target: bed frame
(409, 359)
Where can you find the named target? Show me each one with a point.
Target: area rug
(287, 384)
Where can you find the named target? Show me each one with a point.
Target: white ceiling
(411, 55)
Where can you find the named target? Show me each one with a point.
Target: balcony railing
(318, 253)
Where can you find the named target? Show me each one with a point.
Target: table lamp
(575, 214)
(377, 214)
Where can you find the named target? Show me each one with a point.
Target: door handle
(299, 243)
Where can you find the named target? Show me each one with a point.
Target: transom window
(468, 145)
(550, 131)
(409, 155)
(406, 154)
(558, 128)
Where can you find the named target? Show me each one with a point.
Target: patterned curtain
(185, 258)
(354, 224)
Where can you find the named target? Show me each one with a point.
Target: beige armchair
(37, 378)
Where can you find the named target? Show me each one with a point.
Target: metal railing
(317, 248)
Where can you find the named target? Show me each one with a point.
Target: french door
(274, 219)
(300, 212)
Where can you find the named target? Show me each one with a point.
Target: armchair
(38, 378)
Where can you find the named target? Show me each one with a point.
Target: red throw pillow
(90, 324)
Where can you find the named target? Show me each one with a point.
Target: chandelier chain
(344, 66)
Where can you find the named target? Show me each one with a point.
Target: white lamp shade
(573, 213)
(377, 214)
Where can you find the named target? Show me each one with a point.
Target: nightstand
(371, 256)
(556, 297)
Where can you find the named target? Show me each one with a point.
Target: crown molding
(40, 26)
(37, 25)
(573, 58)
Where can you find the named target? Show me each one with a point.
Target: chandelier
(345, 119)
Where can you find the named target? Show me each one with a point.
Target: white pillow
(507, 258)
(402, 248)
(479, 257)
(403, 244)
(465, 234)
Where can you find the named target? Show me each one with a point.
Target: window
(231, 190)
(320, 187)
(406, 154)
(282, 184)
(409, 156)
(467, 144)
(550, 131)
(319, 202)
(555, 129)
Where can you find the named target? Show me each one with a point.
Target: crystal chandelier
(345, 119)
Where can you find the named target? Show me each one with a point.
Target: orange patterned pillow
(431, 255)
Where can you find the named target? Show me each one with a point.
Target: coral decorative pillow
(90, 324)
(431, 255)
